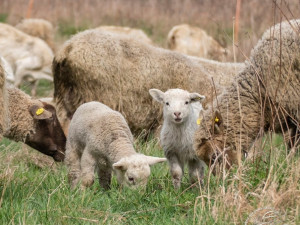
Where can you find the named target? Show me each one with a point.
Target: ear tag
(199, 121)
(216, 119)
(39, 111)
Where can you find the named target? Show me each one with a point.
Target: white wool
(100, 140)
(181, 111)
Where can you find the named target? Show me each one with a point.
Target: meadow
(264, 189)
(35, 190)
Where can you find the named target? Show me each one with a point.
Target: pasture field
(34, 190)
(265, 189)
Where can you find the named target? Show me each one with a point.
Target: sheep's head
(133, 171)
(177, 103)
(211, 148)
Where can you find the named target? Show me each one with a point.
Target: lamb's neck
(120, 148)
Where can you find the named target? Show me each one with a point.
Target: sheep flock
(109, 80)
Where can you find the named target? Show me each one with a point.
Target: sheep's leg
(196, 170)
(104, 175)
(72, 160)
(176, 168)
(88, 164)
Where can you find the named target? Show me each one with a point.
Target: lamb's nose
(177, 114)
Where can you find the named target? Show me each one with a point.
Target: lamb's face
(178, 103)
(134, 171)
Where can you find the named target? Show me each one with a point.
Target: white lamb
(100, 139)
(181, 112)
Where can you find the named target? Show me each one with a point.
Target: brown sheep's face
(49, 137)
(213, 151)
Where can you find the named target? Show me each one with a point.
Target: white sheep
(181, 112)
(30, 57)
(100, 139)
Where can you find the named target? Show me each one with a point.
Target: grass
(34, 190)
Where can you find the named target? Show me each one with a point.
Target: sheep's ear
(157, 95)
(39, 113)
(196, 97)
(153, 160)
(217, 122)
(120, 165)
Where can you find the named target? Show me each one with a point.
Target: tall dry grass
(157, 17)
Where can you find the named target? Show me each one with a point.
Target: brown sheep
(194, 41)
(118, 71)
(131, 32)
(264, 96)
(40, 28)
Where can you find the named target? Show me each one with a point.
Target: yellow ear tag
(39, 111)
(216, 119)
(198, 121)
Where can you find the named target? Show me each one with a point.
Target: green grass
(32, 193)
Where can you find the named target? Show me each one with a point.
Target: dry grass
(157, 17)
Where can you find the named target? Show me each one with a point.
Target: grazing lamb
(131, 32)
(30, 57)
(181, 111)
(40, 28)
(194, 41)
(264, 96)
(101, 66)
(35, 123)
(100, 139)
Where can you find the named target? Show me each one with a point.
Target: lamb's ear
(39, 113)
(120, 165)
(218, 122)
(196, 97)
(153, 160)
(157, 95)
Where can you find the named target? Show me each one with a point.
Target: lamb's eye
(186, 102)
(167, 103)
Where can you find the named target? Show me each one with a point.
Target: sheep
(40, 28)
(9, 74)
(131, 32)
(30, 57)
(100, 139)
(100, 66)
(3, 98)
(264, 96)
(194, 41)
(35, 123)
(181, 111)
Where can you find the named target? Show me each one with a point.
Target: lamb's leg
(72, 160)
(104, 174)
(176, 168)
(88, 164)
(196, 170)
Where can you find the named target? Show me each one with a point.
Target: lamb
(40, 28)
(99, 66)
(131, 32)
(194, 41)
(100, 139)
(30, 57)
(181, 111)
(264, 96)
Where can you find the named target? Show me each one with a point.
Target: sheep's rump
(117, 71)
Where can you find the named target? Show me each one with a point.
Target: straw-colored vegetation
(264, 189)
